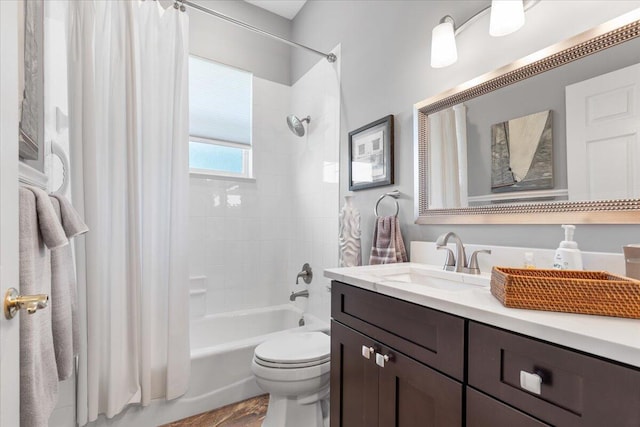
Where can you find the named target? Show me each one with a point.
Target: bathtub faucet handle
(306, 274)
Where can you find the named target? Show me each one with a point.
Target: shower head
(295, 124)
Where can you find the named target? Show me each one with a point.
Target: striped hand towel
(388, 246)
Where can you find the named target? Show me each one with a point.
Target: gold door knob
(14, 302)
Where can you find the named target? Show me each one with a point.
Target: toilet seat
(296, 350)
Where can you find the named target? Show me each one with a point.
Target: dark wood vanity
(396, 363)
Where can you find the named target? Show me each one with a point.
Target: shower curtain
(128, 114)
(448, 158)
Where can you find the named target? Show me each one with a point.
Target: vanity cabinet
(386, 355)
(444, 370)
(574, 389)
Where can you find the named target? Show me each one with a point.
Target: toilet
(294, 370)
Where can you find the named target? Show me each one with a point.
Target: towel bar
(395, 194)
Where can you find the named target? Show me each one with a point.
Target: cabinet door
(354, 379)
(411, 394)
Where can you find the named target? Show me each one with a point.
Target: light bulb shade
(443, 45)
(507, 16)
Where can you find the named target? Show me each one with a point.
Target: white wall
(229, 44)
(385, 70)
(314, 185)
(239, 229)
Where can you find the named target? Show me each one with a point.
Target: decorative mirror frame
(620, 211)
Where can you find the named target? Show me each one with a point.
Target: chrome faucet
(459, 262)
(294, 295)
(306, 274)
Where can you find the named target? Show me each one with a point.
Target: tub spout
(295, 295)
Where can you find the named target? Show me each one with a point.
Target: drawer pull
(382, 359)
(367, 351)
(530, 382)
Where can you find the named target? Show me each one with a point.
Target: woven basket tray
(586, 292)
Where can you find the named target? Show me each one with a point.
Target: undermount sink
(430, 277)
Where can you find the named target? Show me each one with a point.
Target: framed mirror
(470, 170)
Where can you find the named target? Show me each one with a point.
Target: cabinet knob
(530, 382)
(382, 359)
(367, 351)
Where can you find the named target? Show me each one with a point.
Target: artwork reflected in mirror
(522, 153)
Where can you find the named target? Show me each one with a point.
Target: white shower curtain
(129, 147)
(448, 187)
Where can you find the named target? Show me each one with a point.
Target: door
(603, 136)
(9, 329)
(354, 379)
(414, 395)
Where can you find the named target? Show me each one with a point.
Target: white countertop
(610, 337)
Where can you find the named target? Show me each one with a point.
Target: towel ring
(58, 151)
(394, 194)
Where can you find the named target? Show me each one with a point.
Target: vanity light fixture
(443, 44)
(507, 16)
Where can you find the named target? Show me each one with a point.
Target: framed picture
(371, 155)
(31, 77)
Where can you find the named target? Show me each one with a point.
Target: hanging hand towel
(71, 222)
(64, 321)
(39, 228)
(388, 246)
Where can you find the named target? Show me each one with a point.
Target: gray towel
(51, 230)
(388, 246)
(71, 222)
(64, 320)
(38, 372)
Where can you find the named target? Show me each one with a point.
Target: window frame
(246, 149)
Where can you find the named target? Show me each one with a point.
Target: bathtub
(222, 348)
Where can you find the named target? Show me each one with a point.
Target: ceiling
(285, 8)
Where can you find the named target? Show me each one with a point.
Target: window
(219, 119)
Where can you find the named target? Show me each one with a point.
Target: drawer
(429, 336)
(484, 411)
(576, 389)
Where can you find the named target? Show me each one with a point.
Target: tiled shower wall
(239, 229)
(315, 189)
(249, 239)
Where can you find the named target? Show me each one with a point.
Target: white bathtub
(222, 347)
(219, 332)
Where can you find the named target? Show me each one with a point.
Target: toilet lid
(295, 348)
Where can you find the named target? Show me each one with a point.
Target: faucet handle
(450, 261)
(473, 267)
(306, 274)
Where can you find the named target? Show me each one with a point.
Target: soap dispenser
(568, 256)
